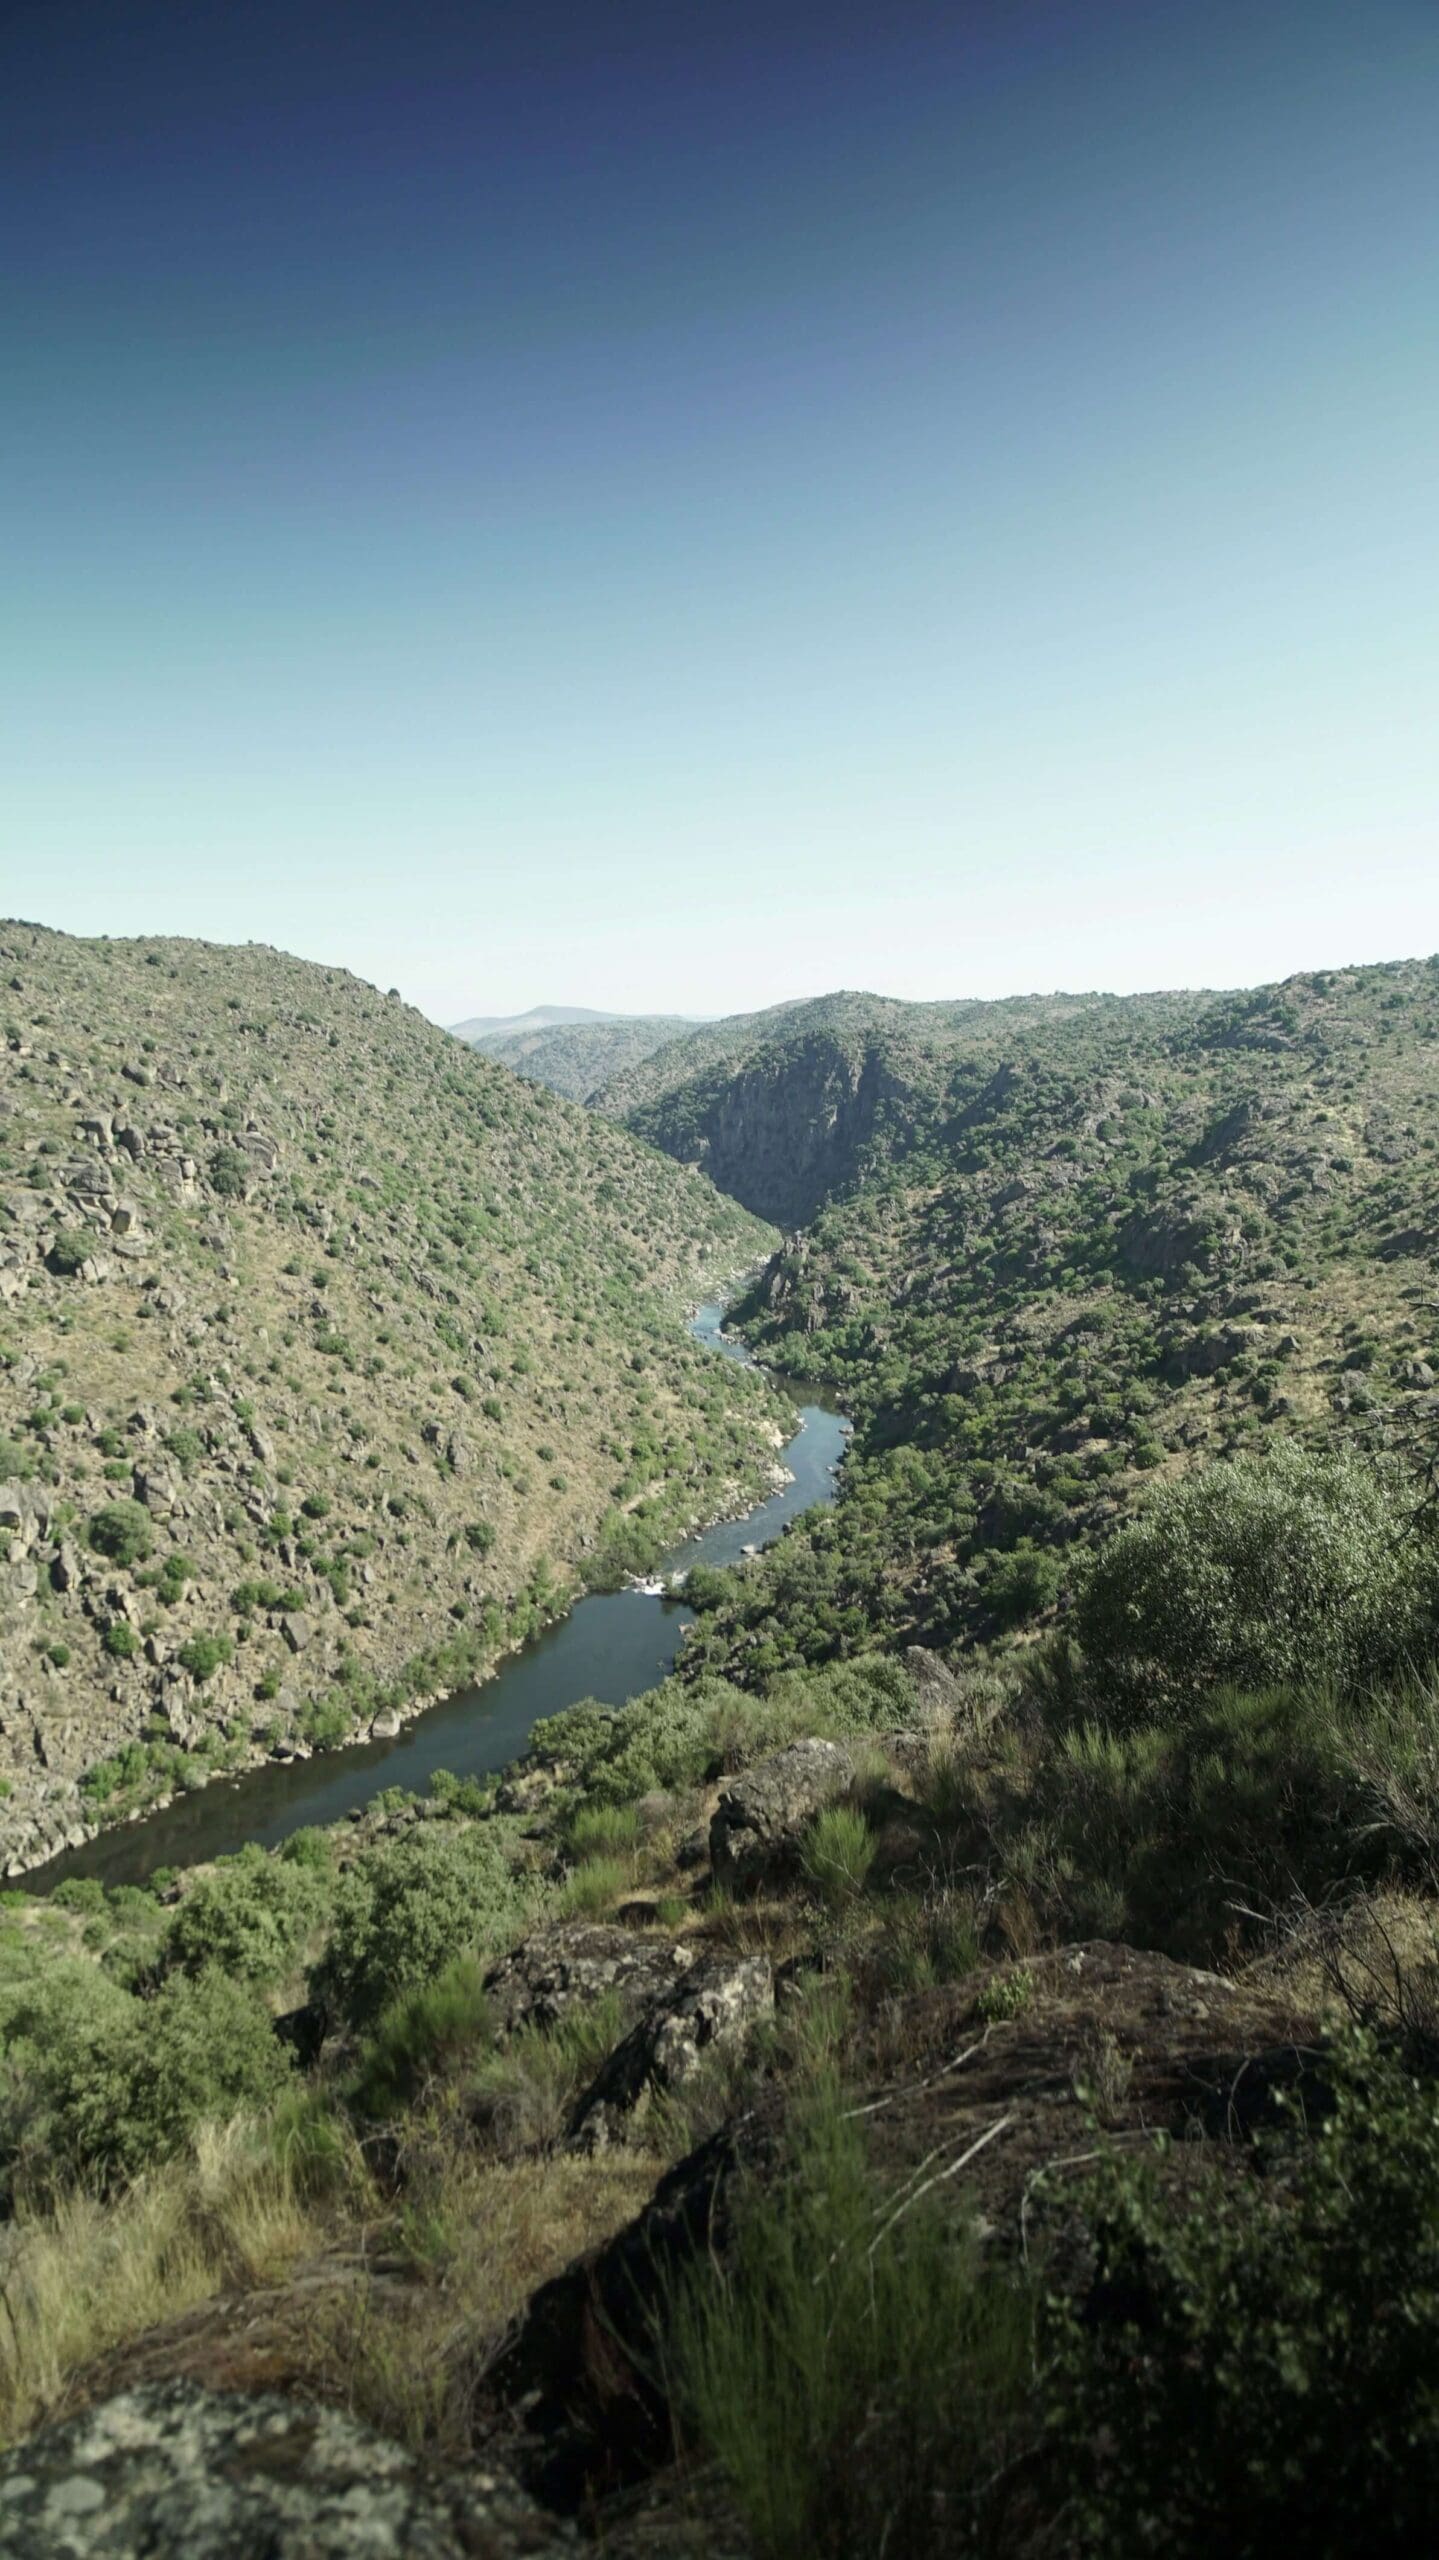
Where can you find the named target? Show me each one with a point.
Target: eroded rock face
(757, 1826)
(712, 2009)
(172, 2472)
(578, 1963)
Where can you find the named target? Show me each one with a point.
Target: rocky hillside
(1050, 1251)
(897, 2108)
(328, 1352)
(577, 1058)
(786, 1109)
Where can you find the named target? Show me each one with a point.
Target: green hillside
(1066, 1247)
(785, 1109)
(328, 1353)
(996, 2035)
(576, 1058)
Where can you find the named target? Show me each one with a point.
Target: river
(612, 1646)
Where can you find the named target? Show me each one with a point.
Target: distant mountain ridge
(541, 1017)
(796, 1104)
(575, 1053)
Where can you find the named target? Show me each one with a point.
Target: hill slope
(575, 1058)
(1062, 1245)
(784, 1109)
(320, 1340)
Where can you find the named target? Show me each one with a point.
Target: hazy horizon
(679, 513)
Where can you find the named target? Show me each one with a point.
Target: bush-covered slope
(1078, 1249)
(576, 1058)
(788, 1109)
(326, 1350)
(895, 2109)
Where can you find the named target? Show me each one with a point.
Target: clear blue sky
(684, 506)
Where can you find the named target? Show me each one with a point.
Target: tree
(1287, 1567)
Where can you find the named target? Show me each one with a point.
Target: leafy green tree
(97, 2084)
(250, 1916)
(1290, 1567)
(408, 1910)
(1022, 1583)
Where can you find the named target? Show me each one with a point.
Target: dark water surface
(612, 1646)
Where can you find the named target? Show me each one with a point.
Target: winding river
(612, 1646)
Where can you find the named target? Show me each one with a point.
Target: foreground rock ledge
(172, 2472)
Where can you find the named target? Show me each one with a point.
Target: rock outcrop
(173, 2472)
(759, 1823)
(710, 2010)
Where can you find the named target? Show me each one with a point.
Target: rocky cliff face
(792, 1126)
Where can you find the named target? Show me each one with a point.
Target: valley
(333, 1362)
(886, 1992)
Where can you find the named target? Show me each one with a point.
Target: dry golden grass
(481, 2237)
(85, 2276)
(1377, 1956)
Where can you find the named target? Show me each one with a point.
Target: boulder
(174, 2472)
(757, 1826)
(579, 1962)
(65, 1569)
(710, 2010)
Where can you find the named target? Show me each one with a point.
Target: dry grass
(1375, 1956)
(481, 2237)
(84, 2277)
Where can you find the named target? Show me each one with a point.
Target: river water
(612, 1646)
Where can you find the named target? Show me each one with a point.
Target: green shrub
(202, 1656)
(410, 1908)
(420, 2034)
(308, 1847)
(1020, 1584)
(595, 1886)
(1008, 1995)
(71, 1249)
(122, 1531)
(603, 1831)
(79, 1893)
(229, 1171)
(837, 1854)
(1255, 2368)
(97, 2084)
(250, 1917)
(120, 1640)
(1287, 1568)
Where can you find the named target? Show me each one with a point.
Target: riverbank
(610, 1646)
